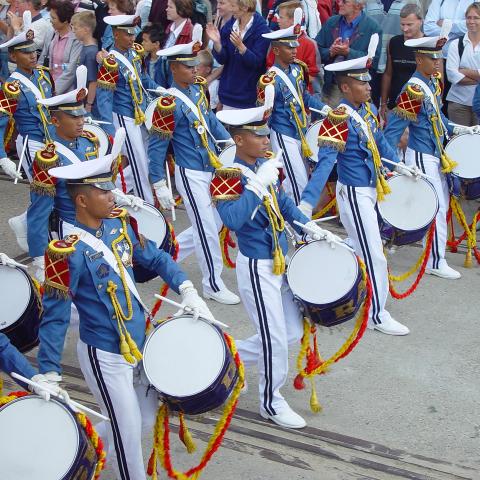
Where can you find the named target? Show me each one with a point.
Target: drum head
(464, 150)
(227, 156)
(103, 142)
(321, 275)
(183, 357)
(312, 139)
(38, 439)
(149, 114)
(15, 295)
(151, 222)
(411, 205)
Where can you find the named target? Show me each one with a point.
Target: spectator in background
(307, 51)
(325, 9)
(117, 7)
(400, 59)
(311, 15)
(83, 26)
(476, 101)
(343, 37)
(158, 13)
(61, 54)
(463, 67)
(41, 26)
(4, 31)
(204, 69)
(152, 39)
(143, 10)
(242, 50)
(438, 11)
(224, 13)
(179, 31)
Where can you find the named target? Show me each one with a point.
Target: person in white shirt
(438, 11)
(463, 70)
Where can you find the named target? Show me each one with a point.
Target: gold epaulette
(264, 80)
(199, 80)
(119, 213)
(163, 118)
(57, 272)
(43, 67)
(43, 183)
(108, 73)
(304, 66)
(226, 184)
(90, 136)
(409, 102)
(139, 50)
(269, 154)
(334, 129)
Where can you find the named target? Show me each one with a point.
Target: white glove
(228, 142)
(49, 380)
(403, 169)
(9, 262)
(163, 194)
(460, 129)
(325, 109)
(268, 173)
(10, 168)
(125, 199)
(318, 233)
(306, 209)
(192, 302)
(39, 269)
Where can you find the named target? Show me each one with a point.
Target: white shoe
(444, 272)
(224, 296)
(389, 327)
(286, 418)
(19, 226)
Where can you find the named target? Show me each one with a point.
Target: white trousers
(433, 168)
(194, 187)
(136, 173)
(357, 208)
(277, 319)
(130, 405)
(29, 156)
(296, 176)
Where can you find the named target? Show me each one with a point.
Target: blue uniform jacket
(162, 75)
(186, 142)
(476, 101)
(421, 137)
(11, 360)
(26, 116)
(41, 206)
(89, 275)
(355, 165)
(119, 100)
(255, 236)
(282, 120)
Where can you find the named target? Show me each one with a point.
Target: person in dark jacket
(242, 50)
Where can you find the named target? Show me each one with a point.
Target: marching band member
(289, 120)
(121, 83)
(68, 144)
(183, 116)
(19, 97)
(251, 202)
(419, 108)
(351, 135)
(92, 267)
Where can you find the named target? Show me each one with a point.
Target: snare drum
(465, 177)
(103, 142)
(152, 225)
(43, 440)
(227, 156)
(312, 139)
(189, 364)
(20, 316)
(149, 113)
(326, 282)
(408, 211)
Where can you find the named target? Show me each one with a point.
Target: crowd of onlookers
(234, 55)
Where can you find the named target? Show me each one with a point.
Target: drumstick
(324, 219)
(25, 143)
(91, 121)
(318, 111)
(420, 174)
(55, 394)
(309, 231)
(124, 197)
(188, 309)
(169, 185)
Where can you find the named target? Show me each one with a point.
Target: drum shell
(467, 188)
(86, 458)
(212, 397)
(340, 311)
(394, 236)
(23, 333)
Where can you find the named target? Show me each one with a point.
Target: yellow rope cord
(332, 203)
(301, 124)
(278, 224)
(470, 232)
(137, 100)
(409, 273)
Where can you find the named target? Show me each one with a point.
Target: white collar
(179, 29)
(236, 25)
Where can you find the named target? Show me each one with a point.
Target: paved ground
(403, 407)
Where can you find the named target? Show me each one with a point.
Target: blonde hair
(289, 7)
(249, 5)
(206, 58)
(85, 19)
(474, 6)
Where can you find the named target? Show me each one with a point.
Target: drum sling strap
(300, 124)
